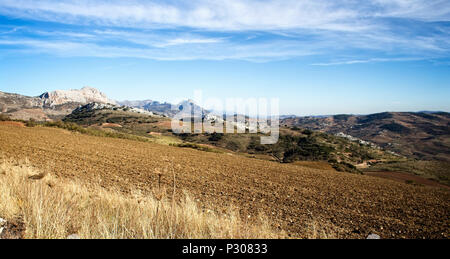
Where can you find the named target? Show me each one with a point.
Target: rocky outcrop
(90, 107)
(82, 96)
(2, 225)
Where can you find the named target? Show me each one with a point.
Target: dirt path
(295, 198)
(12, 123)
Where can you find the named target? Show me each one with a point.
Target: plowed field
(296, 199)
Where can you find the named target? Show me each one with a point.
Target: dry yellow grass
(55, 207)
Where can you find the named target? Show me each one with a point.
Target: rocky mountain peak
(84, 95)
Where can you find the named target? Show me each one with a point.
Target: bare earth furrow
(294, 198)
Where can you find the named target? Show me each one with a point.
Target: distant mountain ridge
(49, 105)
(419, 135)
(56, 104)
(167, 109)
(151, 106)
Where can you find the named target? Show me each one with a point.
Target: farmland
(298, 200)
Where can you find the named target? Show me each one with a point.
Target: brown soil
(293, 197)
(165, 124)
(314, 164)
(408, 178)
(13, 230)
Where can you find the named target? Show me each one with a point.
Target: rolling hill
(424, 136)
(295, 198)
(294, 144)
(415, 143)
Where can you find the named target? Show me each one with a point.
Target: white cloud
(215, 15)
(181, 41)
(229, 14)
(363, 61)
(232, 29)
(9, 31)
(253, 52)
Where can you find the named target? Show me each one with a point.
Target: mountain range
(419, 135)
(49, 105)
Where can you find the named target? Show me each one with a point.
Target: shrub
(31, 123)
(376, 116)
(345, 167)
(395, 127)
(233, 145)
(4, 117)
(308, 132)
(341, 117)
(215, 137)
(193, 146)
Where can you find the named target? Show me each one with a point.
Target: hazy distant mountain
(151, 106)
(137, 104)
(419, 135)
(165, 108)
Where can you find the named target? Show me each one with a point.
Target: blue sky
(317, 57)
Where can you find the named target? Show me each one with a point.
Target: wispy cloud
(181, 41)
(432, 10)
(256, 53)
(229, 14)
(380, 30)
(363, 61)
(13, 30)
(216, 15)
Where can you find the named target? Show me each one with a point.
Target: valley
(340, 176)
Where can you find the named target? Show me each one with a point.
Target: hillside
(424, 136)
(122, 119)
(384, 142)
(296, 199)
(294, 144)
